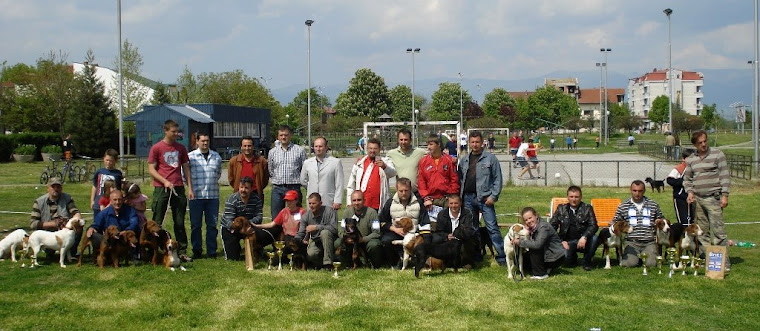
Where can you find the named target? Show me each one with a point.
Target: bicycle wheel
(91, 170)
(44, 178)
(73, 175)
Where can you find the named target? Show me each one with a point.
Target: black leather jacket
(584, 217)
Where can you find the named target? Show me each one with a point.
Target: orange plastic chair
(553, 206)
(604, 210)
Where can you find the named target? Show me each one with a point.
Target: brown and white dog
(16, 240)
(515, 254)
(667, 235)
(171, 258)
(689, 242)
(61, 240)
(613, 238)
(407, 225)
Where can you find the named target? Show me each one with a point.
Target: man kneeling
(318, 229)
(545, 248)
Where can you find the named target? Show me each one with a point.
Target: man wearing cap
(50, 211)
(323, 174)
(241, 203)
(318, 229)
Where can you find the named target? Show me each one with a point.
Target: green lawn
(217, 294)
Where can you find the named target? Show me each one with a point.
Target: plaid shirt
(205, 174)
(649, 212)
(285, 164)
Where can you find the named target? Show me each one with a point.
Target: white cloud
(647, 28)
(146, 10)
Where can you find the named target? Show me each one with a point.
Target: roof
(191, 113)
(520, 95)
(591, 95)
(661, 75)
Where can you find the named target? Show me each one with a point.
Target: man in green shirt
(406, 157)
(369, 228)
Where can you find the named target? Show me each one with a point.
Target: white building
(109, 78)
(687, 91)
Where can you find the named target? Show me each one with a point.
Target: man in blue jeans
(205, 170)
(285, 162)
(480, 182)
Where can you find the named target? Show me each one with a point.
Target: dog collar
(425, 232)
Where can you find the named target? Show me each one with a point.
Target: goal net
(387, 131)
(500, 135)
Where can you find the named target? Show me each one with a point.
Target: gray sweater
(328, 222)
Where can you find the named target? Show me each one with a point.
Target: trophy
(279, 245)
(697, 263)
(684, 261)
(644, 257)
(336, 265)
(659, 264)
(271, 258)
(672, 261)
(290, 259)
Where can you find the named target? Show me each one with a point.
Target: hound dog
(667, 235)
(689, 242)
(107, 245)
(449, 251)
(515, 254)
(613, 238)
(259, 238)
(299, 253)
(16, 240)
(350, 242)
(124, 247)
(658, 185)
(61, 240)
(170, 259)
(152, 237)
(407, 225)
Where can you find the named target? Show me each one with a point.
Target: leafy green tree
(19, 73)
(659, 111)
(401, 103)
(188, 90)
(445, 104)
(549, 104)
(498, 101)
(135, 93)
(93, 123)
(685, 122)
(298, 111)
(621, 117)
(160, 95)
(48, 99)
(709, 115)
(367, 95)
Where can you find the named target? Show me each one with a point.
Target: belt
(287, 185)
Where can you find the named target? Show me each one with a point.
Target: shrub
(25, 149)
(52, 149)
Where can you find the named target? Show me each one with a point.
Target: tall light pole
(414, 113)
(601, 109)
(606, 109)
(308, 79)
(667, 12)
(121, 93)
(755, 96)
(461, 100)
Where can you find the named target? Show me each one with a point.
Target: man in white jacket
(370, 175)
(323, 174)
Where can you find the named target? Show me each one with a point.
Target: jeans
(199, 207)
(278, 194)
(161, 198)
(571, 255)
(472, 203)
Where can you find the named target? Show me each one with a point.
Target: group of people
(436, 191)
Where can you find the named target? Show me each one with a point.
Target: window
(699, 88)
(236, 130)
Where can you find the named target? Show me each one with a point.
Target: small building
(225, 125)
(687, 91)
(589, 101)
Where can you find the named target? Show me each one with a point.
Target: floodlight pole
(308, 79)
(667, 12)
(414, 114)
(121, 93)
(606, 108)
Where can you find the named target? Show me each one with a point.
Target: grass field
(218, 294)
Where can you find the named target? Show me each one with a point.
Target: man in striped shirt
(707, 182)
(641, 213)
(285, 162)
(205, 170)
(240, 203)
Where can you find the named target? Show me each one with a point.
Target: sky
(484, 39)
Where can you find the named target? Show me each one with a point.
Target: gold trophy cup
(684, 261)
(659, 264)
(271, 259)
(336, 266)
(279, 245)
(290, 259)
(644, 257)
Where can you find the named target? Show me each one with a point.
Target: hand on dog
(516, 242)
(311, 228)
(90, 231)
(397, 230)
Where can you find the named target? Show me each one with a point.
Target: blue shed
(225, 125)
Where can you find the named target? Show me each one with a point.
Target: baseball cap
(54, 181)
(291, 195)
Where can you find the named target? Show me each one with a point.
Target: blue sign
(714, 261)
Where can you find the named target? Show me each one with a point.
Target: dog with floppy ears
(407, 225)
(613, 238)
(16, 240)
(62, 240)
(515, 253)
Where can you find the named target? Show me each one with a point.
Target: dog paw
(63, 266)
(172, 269)
(182, 268)
(23, 265)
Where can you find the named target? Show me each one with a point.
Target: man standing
(205, 170)
(575, 223)
(403, 204)
(248, 164)
(708, 182)
(670, 143)
(240, 203)
(480, 182)
(406, 157)
(463, 142)
(437, 176)
(167, 161)
(514, 144)
(285, 162)
(51, 209)
(368, 225)
(451, 146)
(641, 213)
(318, 229)
(323, 174)
(370, 175)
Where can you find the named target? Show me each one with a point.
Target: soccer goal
(501, 135)
(386, 131)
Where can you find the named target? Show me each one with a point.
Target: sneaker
(185, 258)
(542, 277)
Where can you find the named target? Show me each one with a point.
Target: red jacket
(436, 181)
(514, 142)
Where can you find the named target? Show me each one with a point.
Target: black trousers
(534, 261)
(231, 243)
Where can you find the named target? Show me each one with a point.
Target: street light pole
(606, 108)
(755, 96)
(414, 113)
(601, 109)
(461, 100)
(667, 12)
(308, 83)
(121, 93)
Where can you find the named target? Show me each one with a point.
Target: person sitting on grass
(289, 219)
(368, 225)
(545, 251)
(117, 213)
(641, 213)
(50, 211)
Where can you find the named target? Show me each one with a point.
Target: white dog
(516, 231)
(15, 241)
(61, 240)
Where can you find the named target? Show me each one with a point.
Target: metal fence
(740, 166)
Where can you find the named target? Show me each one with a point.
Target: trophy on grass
(684, 261)
(659, 264)
(672, 261)
(644, 257)
(336, 266)
(279, 245)
(290, 260)
(271, 260)
(697, 263)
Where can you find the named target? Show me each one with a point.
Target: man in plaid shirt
(285, 162)
(641, 213)
(205, 170)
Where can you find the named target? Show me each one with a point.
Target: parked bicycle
(51, 170)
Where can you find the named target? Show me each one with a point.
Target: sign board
(715, 264)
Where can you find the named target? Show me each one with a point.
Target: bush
(25, 149)
(33, 138)
(52, 149)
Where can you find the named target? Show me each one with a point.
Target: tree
(92, 123)
(447, 102)
(549, 104)
(659, 111)
(709, 115)
(621, 117)
(160, 95)
(472, 110)
(685, 122)
(498, 101)
(187, 88)
(367, 95)
(135, 93)
(401, 103)
(298, 111)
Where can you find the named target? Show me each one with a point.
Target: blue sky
(485, 39)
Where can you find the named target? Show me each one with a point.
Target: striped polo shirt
(707, 176)
(642, 220)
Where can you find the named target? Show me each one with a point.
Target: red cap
(291, 195)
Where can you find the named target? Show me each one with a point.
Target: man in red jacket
(514, 144)
(437, 176)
